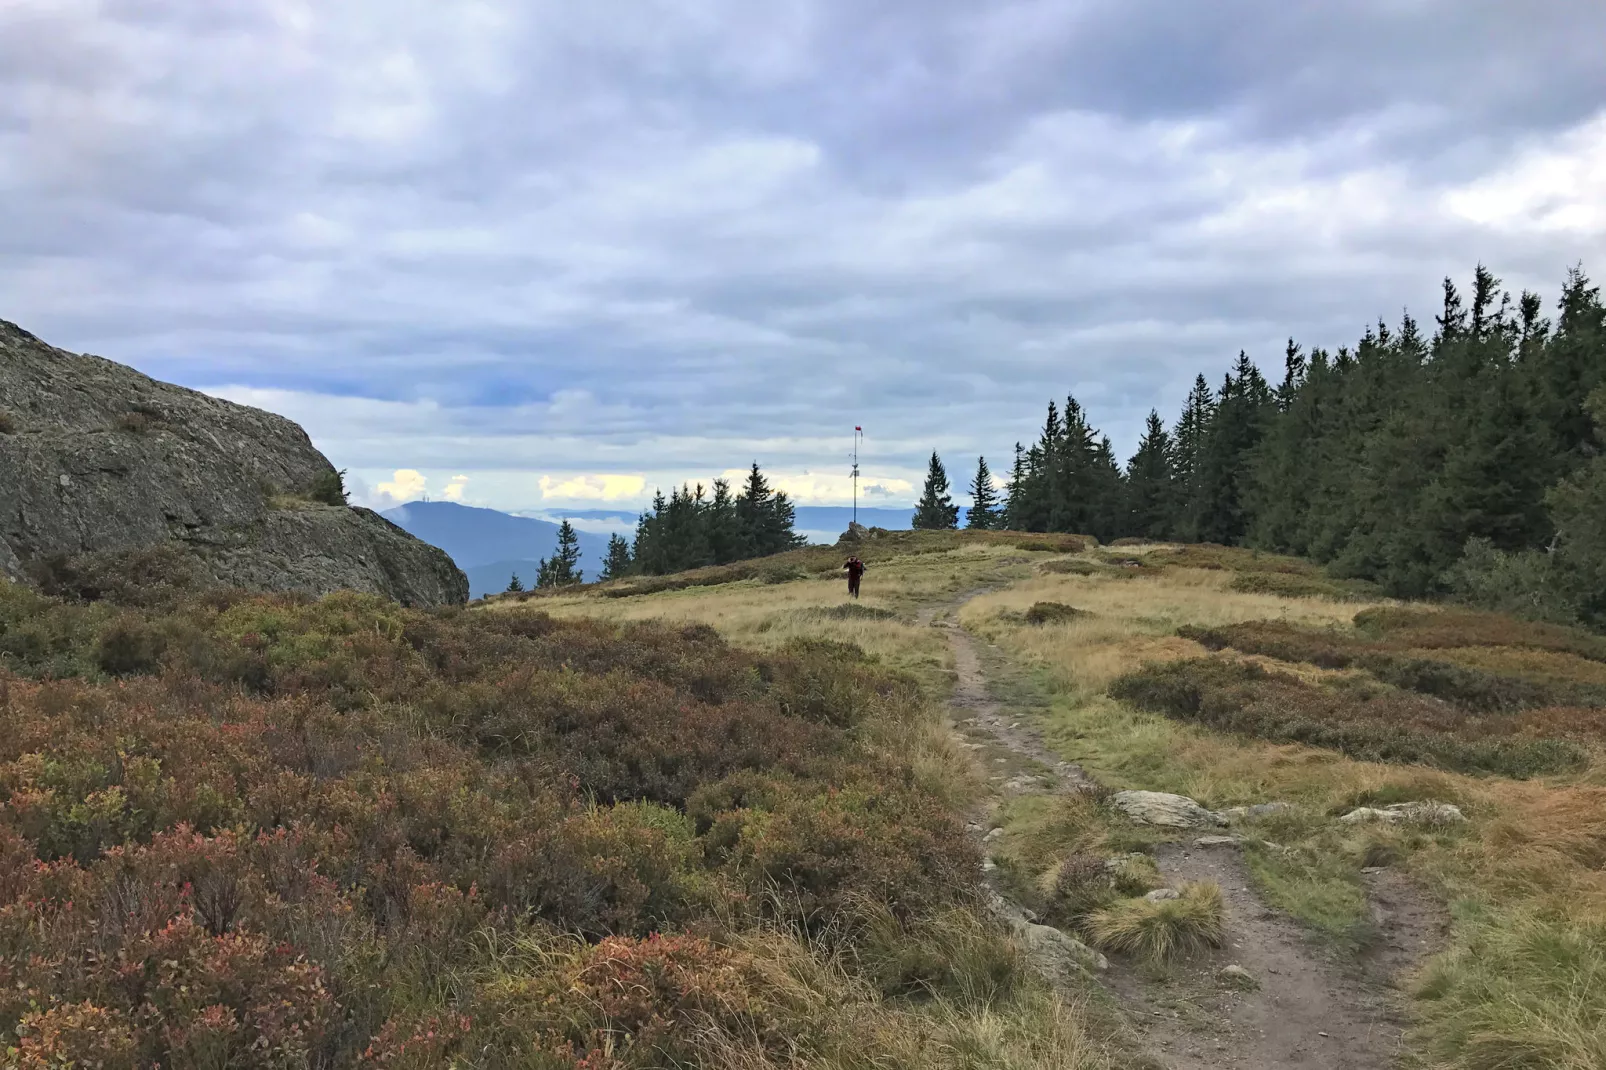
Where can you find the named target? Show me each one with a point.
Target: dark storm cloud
(514, 239)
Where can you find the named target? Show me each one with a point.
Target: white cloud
(1558, 186)
(454, 488)
(404, 486)
(598, 488)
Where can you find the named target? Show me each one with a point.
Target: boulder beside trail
(98, 461)
(1410, 813)
(1162, 808)
(1059, 956)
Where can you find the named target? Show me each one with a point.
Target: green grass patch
(1517, 991)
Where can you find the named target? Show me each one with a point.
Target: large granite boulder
(97, 460)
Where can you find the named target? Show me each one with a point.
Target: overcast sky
(545, 254)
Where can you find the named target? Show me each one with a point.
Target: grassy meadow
(1225, 687)
(718, 819)
(1239, 678)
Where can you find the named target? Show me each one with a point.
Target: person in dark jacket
(855, 569)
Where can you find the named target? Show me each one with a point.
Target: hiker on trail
(855, 569)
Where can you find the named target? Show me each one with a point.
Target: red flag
(858, 429)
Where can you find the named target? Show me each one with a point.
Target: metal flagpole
(858, 433)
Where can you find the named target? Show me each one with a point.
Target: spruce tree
(562, 569)
(1578, 504)
(1192, 427)
(765, 517)
(1150, 483)
(515, 585)
(1014, 504)
(617, 563)
(984, 512)
(936, 510)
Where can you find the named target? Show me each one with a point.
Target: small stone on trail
(1162, 808)
(988, 865)
(1162, 893)
(993, 835)
(1217, 841)
(1237, 975)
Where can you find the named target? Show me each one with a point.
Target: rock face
(98, 460)
(1162, 808)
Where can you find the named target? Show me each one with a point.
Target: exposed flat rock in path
(1268, 998)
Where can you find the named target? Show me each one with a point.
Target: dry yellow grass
(1531, 863)
(1524, 980)
(1132, 620)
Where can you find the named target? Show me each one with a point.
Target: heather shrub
(1464, 685)
(1075, 566)
(863, 842)
(1053, 613)
(1373, 724)
(1426, 629)
(852, 611)
(1077, 887)
(250, 830)
(1294, 585)
(1055, 544)
(1232, 559)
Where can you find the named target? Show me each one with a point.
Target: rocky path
(1299, 1007)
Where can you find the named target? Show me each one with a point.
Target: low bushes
(1468, 687)
(1232, 559)
(260, 831)
(1370, 723)
(1054, 544)
(1428, 629)
(1053, 613)
(1294, 585)
(851, 611)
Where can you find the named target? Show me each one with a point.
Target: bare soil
(1309, 1008)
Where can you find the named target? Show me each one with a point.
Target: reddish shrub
(1371, 724)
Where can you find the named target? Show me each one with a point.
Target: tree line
(691, 528)
(1466, 461)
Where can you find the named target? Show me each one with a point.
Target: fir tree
(617, 563)
(984, 509)
(1014, 505)
(936, 509)
(1150, 483)
(562, 569)
(1192, 428)
(766, 517)
(515, 585)
(692, 528)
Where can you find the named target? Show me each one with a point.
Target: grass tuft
(1159, 931)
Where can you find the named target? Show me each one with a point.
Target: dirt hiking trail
(1309, 1009)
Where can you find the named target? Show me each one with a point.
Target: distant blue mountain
(489, 546)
